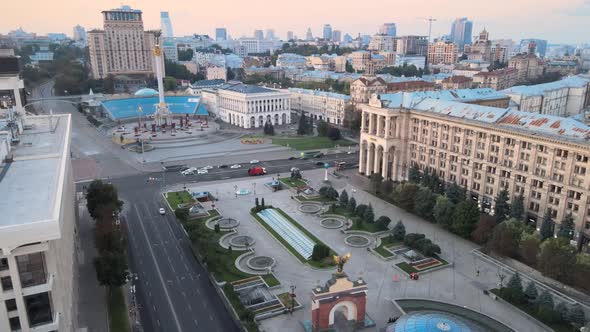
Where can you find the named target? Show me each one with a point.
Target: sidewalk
(92, 307)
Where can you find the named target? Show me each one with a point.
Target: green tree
(349, 67)
(101, 194)
(185, 55)
(566, 228)
(399, 231)
(561, 311)
(262, 203)
(557, 259)
(351, 206)
(383, 222)
(256, 203)
(322, 128)
(531, 292)
(414, 175)
(517, 208)
(343, 198)
(547, 227)
(545, 299)
(513, 290)
(455, 193)
(360, 210)
(505, 238)
(320, 251)
(369, 215)
(169, 83)
(483, 231)
(182, 214)
(424, 203)
(302, 129)
(375, 180)
(111, 269)
(465, 218)
(576, 315)
(386, 187)
(502, 208)
(443, 211)
(529, 249)
(406, 196)
(334, 133)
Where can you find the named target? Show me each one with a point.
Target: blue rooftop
(462, 95)
(431, 321)
(127, 108)
(146, 92)
(540, 89)
(245, 88)
(320, 93)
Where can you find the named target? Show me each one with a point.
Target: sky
(558, 21)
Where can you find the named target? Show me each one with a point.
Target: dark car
(304, 158)
(319, 163)
(318, 155)
(222, 166)
(292, 158)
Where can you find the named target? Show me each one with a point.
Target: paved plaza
(457, 285)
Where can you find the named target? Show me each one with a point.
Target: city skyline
(519, 20)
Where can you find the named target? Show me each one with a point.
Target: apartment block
(321, 105)
(499, 79)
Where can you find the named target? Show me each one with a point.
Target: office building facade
(388, 29)
(442, 52)
(220, 34)
(166, 25)
(321, 105)
(327, 32)
(461, 30)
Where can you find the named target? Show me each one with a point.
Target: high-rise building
(290, 35)
(258, 34)
(110, 54)
(461, 30)
(327, 32)
(540, 44)
(270, 34)
(166, 25)
(388, 29)
(336, 36)
(79, 34)
(220, 34)
(442, 52)
(308, 34)
(411, 45)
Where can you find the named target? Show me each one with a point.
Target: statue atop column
(340, 261)
(162, 114)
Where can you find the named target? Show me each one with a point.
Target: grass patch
(178, 197)
(310, 142)
(386, 242)
(315, 199)
(286, 299)
(530, 309)
(271, 280)
(245, 315)
(294, 183)
(118, 317)
(325, 263)
(410, 269)
(212, 213)
(357, 224)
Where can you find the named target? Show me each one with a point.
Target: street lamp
(139, 113)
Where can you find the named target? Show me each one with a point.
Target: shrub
(182, 214)
(383, 222)
(320, 251)
(576, 315)
(411, 239)
(360, 210)
(217, 228)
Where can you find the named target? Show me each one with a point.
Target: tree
(443, 212)
(517, 208)
(369, 215)
(557, 259)
(406, 196)
(351, 206)
(111, 269)
(303, 129)
(505, 238)
(411, 239)
(513, 290)
(182, 214)
(343, 198)
(546, 227)
(262, 203)
(531, 292)
(334, 133)
(349, 67)
(455, 193)
(465, 218)
(502, 209)
(375, 180)
(230, 74)
(576, 315)
(217, 228)
(399, 231)
(386, 187)
(484, 228)
(256, 203)
(383, 222)
(544, 306)
(529, 249)
(414, 175)
(424, 203)
(320, 251)
(185, 55)
(566, 228)
(561, 312)
(169, 83)
(322, 128)
(101, 194)
(360, 210)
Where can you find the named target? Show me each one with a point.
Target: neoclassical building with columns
(248, 106)
(484, 149)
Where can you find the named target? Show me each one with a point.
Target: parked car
(208, 167)
(222, 166)
(187, 172)
(318, 155)
(234, 166)
(257, 170)
(202, 171)
(319, 163)
(162, 211)
(292, 158)
(254, 161)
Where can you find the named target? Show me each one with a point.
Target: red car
(253, 171)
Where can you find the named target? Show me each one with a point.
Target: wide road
(174, 291)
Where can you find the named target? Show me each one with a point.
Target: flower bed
(426, 265)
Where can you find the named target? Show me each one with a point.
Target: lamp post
(293, 287)
(139, 113)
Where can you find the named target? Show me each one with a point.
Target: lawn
(271, 280)
(178, 197)
(310, 142)
(235, 302)
(315, 199)
(294, 183)
(410, 269)
(286, 299)
(326, 263)
(118, 317)
(386, 242)
(357, 224)
(529, 309)
(212, 213)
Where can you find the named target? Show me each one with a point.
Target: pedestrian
(477, 273)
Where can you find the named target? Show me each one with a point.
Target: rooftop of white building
(320, 93)
(245, 88)
(540, 89)
(31, 185)
(460, 95)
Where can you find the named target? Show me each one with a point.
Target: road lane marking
(177, 322)
(196, 323)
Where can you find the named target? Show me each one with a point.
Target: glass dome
(146, 92)
(432, 321)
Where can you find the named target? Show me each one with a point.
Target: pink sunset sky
(559, 21)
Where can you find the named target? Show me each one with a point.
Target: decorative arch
(350, 311)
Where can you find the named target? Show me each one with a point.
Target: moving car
(208, 167)
(319, 163)
(292, 158)
(222, 166)
(234, 166)
(254, 161)
(318, 155)
(187, 172)
(202, 171)
(162, 211)
(294, 169)
(257, 170)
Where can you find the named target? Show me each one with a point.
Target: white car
(254, 161)
(235, 166)
(208, 167)
(293, 169)
(187, 172)
(162, 211)
(202, 171)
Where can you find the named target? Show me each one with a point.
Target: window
(3, 264)
(581, 158)
(39, 309)
(14, 324)
(10, 305)
(580, 170)
(6, 283)
(31, 268)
